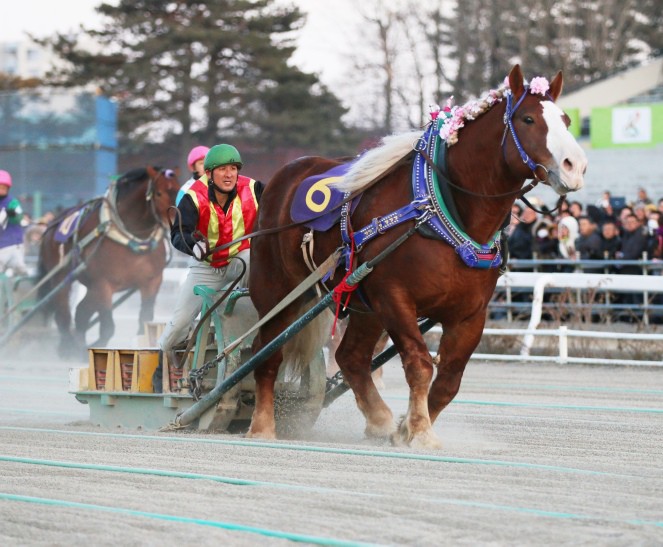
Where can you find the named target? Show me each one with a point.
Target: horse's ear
(151, 171)
(556, 86)
(516, 81)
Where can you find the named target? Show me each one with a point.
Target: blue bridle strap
(508, 122)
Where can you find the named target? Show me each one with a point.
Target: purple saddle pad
(68, 225)
(318, 203)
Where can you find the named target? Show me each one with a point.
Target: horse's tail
(302, 349)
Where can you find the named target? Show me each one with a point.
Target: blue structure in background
(59, 145)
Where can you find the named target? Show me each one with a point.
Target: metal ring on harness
(536, 166)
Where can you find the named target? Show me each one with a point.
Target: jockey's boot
(157, 377)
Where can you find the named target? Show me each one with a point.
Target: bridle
(153, 191)
(509, 112)
(509, 128)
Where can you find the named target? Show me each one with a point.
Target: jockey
(219, 207)
(194, 161)
(11, 230)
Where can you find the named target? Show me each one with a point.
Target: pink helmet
(5, 178)
(197, 153)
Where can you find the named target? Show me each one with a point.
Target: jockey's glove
(200, 249)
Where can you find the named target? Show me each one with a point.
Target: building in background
(60, 145)
(621, 118)
(25, 59)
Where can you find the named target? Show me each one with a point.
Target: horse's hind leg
(263, 423)
(62, 315)
(354, 357)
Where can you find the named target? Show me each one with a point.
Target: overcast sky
(318, 51)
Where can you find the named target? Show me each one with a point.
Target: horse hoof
(380, 431)
(426, 440)
(72, 352)
(261, 435)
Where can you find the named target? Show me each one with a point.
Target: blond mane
(377, 160)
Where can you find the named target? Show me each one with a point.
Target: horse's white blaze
(567, 153)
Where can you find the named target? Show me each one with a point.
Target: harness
(110, 224)
(434, 215)
(432, 205)
(119, 233)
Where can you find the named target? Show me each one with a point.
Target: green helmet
(222, 154)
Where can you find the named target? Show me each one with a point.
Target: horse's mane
(126, 181)
(377, 160)
(392, 148)
(134, 175)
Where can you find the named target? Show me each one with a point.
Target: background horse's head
(164, 185)
(542, 134)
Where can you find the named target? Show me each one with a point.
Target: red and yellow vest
(220, 228)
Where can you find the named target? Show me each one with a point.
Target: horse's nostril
(567, 164)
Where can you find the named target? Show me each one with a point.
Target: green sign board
(627, 126)
(576, 123)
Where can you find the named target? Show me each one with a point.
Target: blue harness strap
(429, 208)
(443, 224)
(379, 225)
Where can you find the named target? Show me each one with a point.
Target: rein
(519, 192)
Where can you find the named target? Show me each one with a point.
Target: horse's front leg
(98, 298)
(354, 357)
(148, 298)
(415, 428)
(457, 344)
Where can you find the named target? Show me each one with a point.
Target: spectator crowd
(608, 230)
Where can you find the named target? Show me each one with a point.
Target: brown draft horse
(423, 277)
(128, 252)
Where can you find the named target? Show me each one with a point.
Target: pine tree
(207, 71)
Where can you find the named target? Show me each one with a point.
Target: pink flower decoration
(539, 85)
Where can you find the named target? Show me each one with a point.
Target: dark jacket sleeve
(183, 239)
(258, 188)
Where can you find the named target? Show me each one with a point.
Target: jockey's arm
(183, 239)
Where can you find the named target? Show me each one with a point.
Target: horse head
(548, 148)
(163, 191)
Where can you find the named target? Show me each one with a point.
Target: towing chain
(196, 377)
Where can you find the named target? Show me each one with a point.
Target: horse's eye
(169, 173)
(528, 120)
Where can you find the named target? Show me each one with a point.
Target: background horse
(506, 138)
(119, 240)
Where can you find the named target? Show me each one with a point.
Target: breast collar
(432, 208)
(446, 223)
